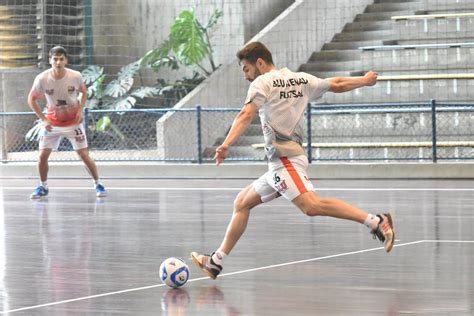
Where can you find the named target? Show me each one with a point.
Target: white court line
(451, 241)
(204, 278)
(93, 296)
(236, 189)
(317, 259)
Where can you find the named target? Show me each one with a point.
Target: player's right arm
(33, 96)
(241, 122)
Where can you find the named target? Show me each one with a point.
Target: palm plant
(188, 44)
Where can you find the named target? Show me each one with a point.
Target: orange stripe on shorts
(293, 174)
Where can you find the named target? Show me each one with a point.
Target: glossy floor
(73, 254)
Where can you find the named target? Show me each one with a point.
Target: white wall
(125, 30)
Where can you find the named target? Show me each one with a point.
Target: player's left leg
(77, 137)
(92, 169)
(246, 200)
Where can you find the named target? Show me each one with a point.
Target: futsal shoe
(206, 264)
(384, 231)
(100, 190)
(39, 192)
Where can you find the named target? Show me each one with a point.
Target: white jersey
(61, 95)
(282, 97)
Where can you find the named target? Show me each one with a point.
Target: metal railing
(348, 132)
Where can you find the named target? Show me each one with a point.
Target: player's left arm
(344, 84)
(82, 103)
(241, 122)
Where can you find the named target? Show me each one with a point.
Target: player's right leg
(247, 199)
(47, 142)
(42, 189)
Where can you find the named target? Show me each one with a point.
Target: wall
(292, 37)
(124, 30)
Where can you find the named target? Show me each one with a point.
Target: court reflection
(212, 299)
(202, 301)
(65, 255)
(175, 302)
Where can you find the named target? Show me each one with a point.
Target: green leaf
(34, 133)
(125, 104)
(213, 19)
(145, 92)
(92, 73)
(156, 54)
(92, 103)
(187, 38)
(117, 88)
(169, 61)
(128, 71)
(103, 124)
(96, 90)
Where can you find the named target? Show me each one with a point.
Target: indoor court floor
(73, 254)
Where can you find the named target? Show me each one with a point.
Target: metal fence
(365, 132)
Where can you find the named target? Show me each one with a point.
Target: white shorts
(287, 177)
(75, 133)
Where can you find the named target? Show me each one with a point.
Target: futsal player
(61, 87)
(280, 97)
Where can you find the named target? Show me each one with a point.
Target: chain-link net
(421, 49)
(397, 132)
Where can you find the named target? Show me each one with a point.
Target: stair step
(364, 36)
(331, 66)
(391, 1)
(380, 16)
(351, 45)
(369, 26)
(332, 74)
(336, 55)
(394, 7)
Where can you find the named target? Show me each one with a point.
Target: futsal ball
(174, 272)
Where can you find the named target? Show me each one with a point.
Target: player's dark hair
(253, 51)
(58, 50)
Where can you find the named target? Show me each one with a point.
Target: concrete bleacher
(407, 74)
(413, 45)
(388, 134)
(418, 58)
(17, 43)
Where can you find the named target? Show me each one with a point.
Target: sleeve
(37, 89)
(81, 84)
(317, 87)
(257, 93)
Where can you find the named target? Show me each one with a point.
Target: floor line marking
(236, 189)
(202, 278)
(318, 258)
(93, 296)
(451, 241)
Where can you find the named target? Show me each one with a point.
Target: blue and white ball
(174, 272)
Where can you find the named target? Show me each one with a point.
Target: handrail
(426, 76)
(415, 46)
(432, 16)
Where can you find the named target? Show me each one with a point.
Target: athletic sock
(44, 184)
(218, 257)
(96, 182)
(372, 221)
